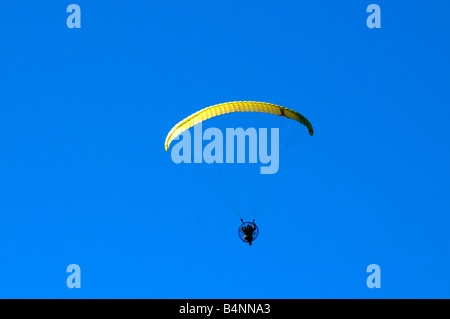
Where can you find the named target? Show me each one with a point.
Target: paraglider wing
(242, 106)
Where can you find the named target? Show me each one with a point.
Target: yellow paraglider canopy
(229, 107)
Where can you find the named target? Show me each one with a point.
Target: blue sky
(85, 179)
